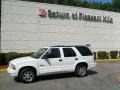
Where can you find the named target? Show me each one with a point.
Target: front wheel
(27, 75)
(81, 70)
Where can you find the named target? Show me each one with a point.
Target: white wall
(23, 30)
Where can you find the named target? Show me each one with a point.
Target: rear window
(84, 51)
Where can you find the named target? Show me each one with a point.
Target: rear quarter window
(84, 51)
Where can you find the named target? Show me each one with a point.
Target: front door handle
(76, 58)
(60, 59)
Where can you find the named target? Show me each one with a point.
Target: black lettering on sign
(75, 16)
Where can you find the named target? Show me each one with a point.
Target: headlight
(12, 66)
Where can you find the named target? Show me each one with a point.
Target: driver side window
(52, 53)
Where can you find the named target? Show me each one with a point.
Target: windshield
(39, 53)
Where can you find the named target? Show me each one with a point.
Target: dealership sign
(74, 16)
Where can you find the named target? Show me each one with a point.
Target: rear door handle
(76, 58)
(60, 59)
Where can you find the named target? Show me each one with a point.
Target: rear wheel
(27, 75)
(81, 70)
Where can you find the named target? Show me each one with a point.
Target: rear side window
(84, 51)
(69, 52)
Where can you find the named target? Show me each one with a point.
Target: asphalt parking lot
(103, 77)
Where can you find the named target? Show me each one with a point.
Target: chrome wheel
(28, 76)
(81, 70)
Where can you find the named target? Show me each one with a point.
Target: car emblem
(42, 12)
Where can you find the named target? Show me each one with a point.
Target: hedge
(119, 54)
(5, 58)
(114, 54)
(102, 55)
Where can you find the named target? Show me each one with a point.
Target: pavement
(104, 77)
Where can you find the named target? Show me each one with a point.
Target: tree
(114, 6)
(84, 4)
(74, 2)
(116, 3)
(63, 2)
(107, 6)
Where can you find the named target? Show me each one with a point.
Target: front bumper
(12, 72)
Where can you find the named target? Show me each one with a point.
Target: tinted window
(69, 52)
(85, 51)
(53, 53)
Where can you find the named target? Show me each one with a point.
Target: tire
(81, 70)
(27, 75)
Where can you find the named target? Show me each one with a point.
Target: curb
(3, 70)
(108, 60)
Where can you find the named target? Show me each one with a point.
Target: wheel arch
(82, 63)
(35, 71)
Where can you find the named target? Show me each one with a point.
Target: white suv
(50, 60)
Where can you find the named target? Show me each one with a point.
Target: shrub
(6, 57)
(2, 59)
(10, 56)
(114, 54)
(102, 55)
(119, 54)
(25, 54)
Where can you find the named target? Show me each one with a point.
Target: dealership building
(28, 26)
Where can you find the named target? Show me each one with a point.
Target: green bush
(114, 54)
(10, 56)
(25, 54)
(119, 54)
(2, 59)
(102, 55)
(5, 58)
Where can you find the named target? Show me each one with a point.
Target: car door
(69, 59)
(51, 61)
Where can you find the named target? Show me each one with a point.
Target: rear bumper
(92, 65)
(12, 72)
